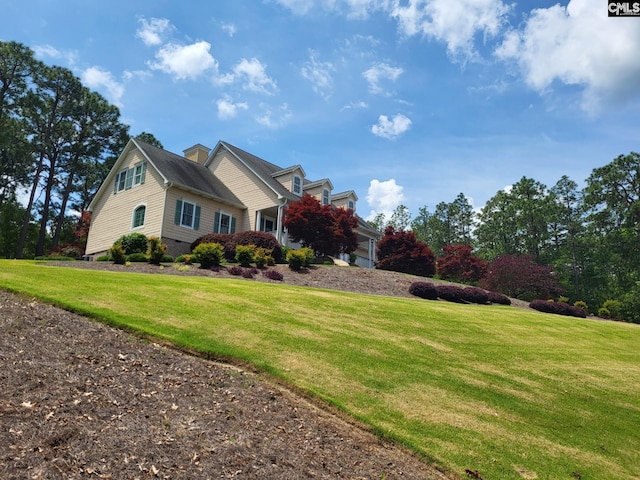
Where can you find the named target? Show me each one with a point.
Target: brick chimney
(198, 153)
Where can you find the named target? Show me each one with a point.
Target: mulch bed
(81, 400)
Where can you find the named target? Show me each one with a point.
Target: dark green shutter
(216, 223)
(144, 172)
(196, 218)
(178, 212)
(232, 228)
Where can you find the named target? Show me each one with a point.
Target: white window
(121, 179)
(297, 185)
(326, 198)
(352, 205)
(187, 214)
(139, 170)
(224, 223)
(138, 216)
(130, 177)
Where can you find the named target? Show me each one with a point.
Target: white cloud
(384, 197)
(454, 23)
(184, 62)
(275, 120)
(577, 45)
(391, 129)
(228, 109)
(101, 80)
(229, 28)
(354, 105)
(43, 51)
(151, 32)
(379, 72)
(255, 76)
(319, 74)
(299, 7)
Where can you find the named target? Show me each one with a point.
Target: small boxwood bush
(187, 259)
(103, 258)
(273, 275)
(137, 258)
(475, 295)
(424, 290)
(133, 243)
(244, 254)
(156, 250)
(450, 293)
(208, 254)
(499, 298)
(300, 258)
(557, 308)
(117, 254)
(262, 257)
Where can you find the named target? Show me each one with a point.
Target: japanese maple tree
(459, 265)
(401, 251)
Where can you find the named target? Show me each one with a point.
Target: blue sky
(403, 101)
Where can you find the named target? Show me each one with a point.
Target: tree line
(589, 237)
(58, 141)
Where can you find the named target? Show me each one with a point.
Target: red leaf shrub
(220, 238)
(273, 275)
(459, 265)
(235, 270)
(451, 293)
(475, 295)
(558, 308)
(248, 237)
(519, 276)
(495, 297)
(424, 290)
(401, 251)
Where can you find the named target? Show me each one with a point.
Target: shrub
(137, 258)
(424, 290)
(187, 259)
(459, 265)
(259, 240)
(273, 275)
(557, 308)
(450, 293)
(247, 273)
(103, 258)
(519, 276)
(499, 298)
(156, 250)
(262, 257)
(68, 250)
(208, 254)
(117, 254)
(133, 243)
(604, 312)
(219, 238)
(613, 307)
(475, 295)
(299, 259)
(244, 254)
(582, 305)
(401, 251)
(235, 270)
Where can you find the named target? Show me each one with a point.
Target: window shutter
(196, 218)
(232, 228)
(178, 212)
(115, 184)
(216, 223)
(129, 179)
(144, 172)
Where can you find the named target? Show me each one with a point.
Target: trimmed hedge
(425, 290)
(558, 308)
(273, 275)
(451, 293)
(229, 241)
(499, 298)
(475, 295)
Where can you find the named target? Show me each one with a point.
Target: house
(224, 190)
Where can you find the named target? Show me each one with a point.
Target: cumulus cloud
(255, 76)
(379, 72)
(319, 74)
(103, 81)
(384, 197)
(391, 129)
(152, 31)
(185, 62)
(228, 109)
(577, 45)
(454, 23)
(43, 51)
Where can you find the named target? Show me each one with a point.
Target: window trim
(217, 222)
(179, 215)
(326, 196)
(351, 205)
(144, 216)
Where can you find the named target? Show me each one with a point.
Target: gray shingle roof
(187, 174)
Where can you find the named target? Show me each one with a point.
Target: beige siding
(251, 191)
(113, 213)
(343, 202)
(286, 180)
(208, 209)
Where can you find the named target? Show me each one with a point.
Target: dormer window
(352, 205)
(325, 197)
(297, 185)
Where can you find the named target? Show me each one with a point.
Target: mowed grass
(502, 391)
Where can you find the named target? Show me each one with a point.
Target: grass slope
(509, 393)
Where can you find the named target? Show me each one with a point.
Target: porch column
(258, 220)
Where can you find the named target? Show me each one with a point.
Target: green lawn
(510, 393)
